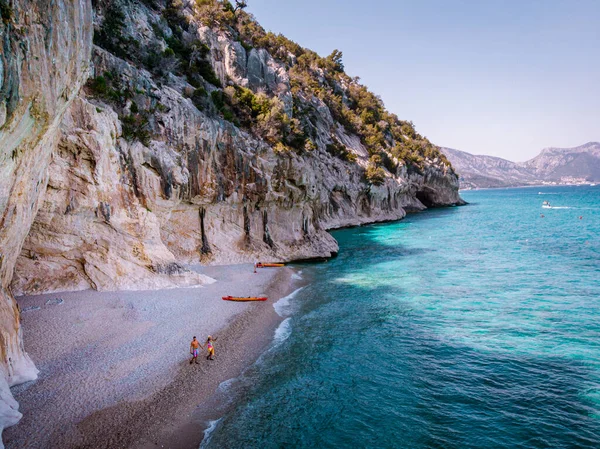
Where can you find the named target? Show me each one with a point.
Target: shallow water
(466, 327)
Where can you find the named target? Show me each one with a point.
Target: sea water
(466, 327)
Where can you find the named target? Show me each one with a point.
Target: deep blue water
(470, 327)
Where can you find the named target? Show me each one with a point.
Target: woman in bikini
(210, 347)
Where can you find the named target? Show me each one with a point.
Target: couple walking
(195, 345)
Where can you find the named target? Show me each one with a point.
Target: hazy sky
(503, 77)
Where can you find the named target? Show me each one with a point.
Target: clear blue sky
(504, 78)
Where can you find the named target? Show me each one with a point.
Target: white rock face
(121, 215)
(45, 57)
(92, 231)
(256, 69)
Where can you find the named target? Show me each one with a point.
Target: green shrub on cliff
(193, 56)
(6, 11)
(218, 99)
(276, 126)
(222, 104)
(218, 14)
(199, 98)
(108, 88)
(265, 117)
(98, 85)
(205, 70)
(375, 174)
(247, 105)
(111, 33)
(135, 127)
(173, 14)
(337, 149)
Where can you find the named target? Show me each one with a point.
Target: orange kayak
(244, 298)
(270, 265)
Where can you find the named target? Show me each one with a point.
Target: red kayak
(244, 298)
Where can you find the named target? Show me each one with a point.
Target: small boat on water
(244, 298)
(546, 205)
(269, 265)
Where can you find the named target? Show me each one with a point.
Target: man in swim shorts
(194, 346)
(210, 347)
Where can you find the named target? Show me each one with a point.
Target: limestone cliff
(44, 59)
(153, 171)
(199, 137)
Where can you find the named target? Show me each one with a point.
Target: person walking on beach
(194, 345)
(210, 347)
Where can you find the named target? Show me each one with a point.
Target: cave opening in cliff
(426, 198)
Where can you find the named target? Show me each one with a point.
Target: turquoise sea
(466, 327)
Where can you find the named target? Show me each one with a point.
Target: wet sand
(114, 366)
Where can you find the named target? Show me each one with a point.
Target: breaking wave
(283, 331)
(212, 425)
(283, 306)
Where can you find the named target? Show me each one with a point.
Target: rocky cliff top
(219, 57)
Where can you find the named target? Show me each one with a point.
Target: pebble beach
(114, 366)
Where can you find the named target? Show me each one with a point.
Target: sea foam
(283, 306)
(283, 331)
(226, 384)
(212, 425)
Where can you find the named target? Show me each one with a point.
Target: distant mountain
(577, 165)
(478, 171)
(567, 165)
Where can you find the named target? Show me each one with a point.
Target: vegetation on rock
(174, 50)
(375, 174)
(6, 11)
(134, 121)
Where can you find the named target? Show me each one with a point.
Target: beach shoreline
(115, 366)
(253, 334)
